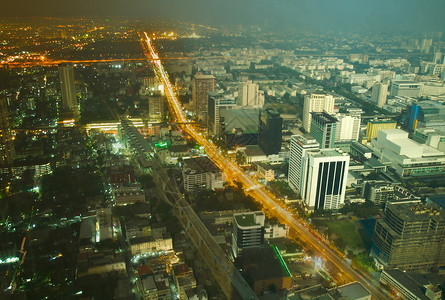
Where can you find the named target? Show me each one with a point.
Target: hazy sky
(317, 14)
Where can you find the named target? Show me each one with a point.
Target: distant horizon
(319, 15)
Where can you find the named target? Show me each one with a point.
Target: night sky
(357, 15)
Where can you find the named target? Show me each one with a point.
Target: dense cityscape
(155, 159)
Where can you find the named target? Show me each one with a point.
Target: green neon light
(161, 145)
(283, 263)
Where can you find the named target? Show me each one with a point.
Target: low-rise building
(407, 157)
(202, 173)
(152, 243)
(124, 195)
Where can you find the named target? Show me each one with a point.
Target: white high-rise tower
(316, 103)
(250, 95)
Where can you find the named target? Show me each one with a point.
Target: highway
(255, 189)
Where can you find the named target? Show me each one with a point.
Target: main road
(256, 190)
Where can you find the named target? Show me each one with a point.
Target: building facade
(374, 126)
(69, 99)
(156, 108)
(250, 95)
(299, 146)
(248, 231)
(326, 173)
(316, 103)
(323, 129)
(270, 131)
(379, 93)
(410, 237)
(202, 85)
(348, 126)
(405, 88)
(7, 150)
(217, 102)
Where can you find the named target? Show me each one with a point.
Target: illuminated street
(233, 172)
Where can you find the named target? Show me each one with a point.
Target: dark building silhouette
(269, 131)
(7, 152)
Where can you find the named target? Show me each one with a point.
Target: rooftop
(247, 219)
(201, 164)
(353, 291)
(417, 211)
(323, 117)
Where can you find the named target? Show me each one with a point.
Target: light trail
(257, 191)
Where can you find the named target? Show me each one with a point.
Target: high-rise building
(202, 85)
(326, 173)
(323, 127)
(217, 102)
(7, 151)
(410, 236)
(250, 95)
(248, 231)
(299, 146)
(426, 45)
(348, 126)
(155, 108)
(69, 100)
(316, 103)
(379, 93)
(270, 131)
(374, 126)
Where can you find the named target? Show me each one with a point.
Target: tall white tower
(299, 147)
(316, 103)
(66, 76)
(250, 95)
(326, 173)
(379, 93)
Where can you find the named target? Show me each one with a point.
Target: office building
(69, 99)
(407, 157)
(156, 108)
(248, 231)
(316, 103)
(374, 126)
(405, 89)
(348, 126)
(428, 114)
(377, 191)
(379, 93)
(270, 131)
(323, 127)
(410, 236)
(7, 150)
(250, 95)
(202, 85)
(299, 146)
(218, 102)
(201, 173)
(326, 173)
